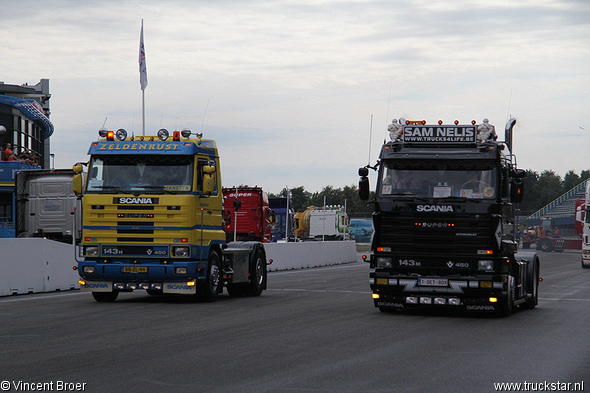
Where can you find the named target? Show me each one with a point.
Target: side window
(95, 175)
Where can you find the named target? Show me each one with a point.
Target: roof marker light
(456, 122)
(473, 122)
(110, 135)
(440, 122)
(176, 136)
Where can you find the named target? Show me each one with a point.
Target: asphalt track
(313, 330)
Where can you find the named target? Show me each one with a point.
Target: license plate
(135, 269)
(433, 282)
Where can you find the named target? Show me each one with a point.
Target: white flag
(142, 65)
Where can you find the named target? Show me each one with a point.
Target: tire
(545, 245)
(534, 300)
(508, 302)
(209, 291)
(585, 266)
(257, 275)
(105, 297)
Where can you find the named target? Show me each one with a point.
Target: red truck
(248, 207)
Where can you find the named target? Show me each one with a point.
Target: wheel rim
(259, 271)
(214, 282)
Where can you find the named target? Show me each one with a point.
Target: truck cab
(444, 220)
(152, 219)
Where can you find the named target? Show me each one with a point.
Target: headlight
(91, 251)
(485, 265)
(88, 269)
(163, 134)
(181, 270)
(180, 251)
(384, 262)
(121, 134)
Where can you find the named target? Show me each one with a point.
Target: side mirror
(364, 188)
(77, 179)
(208, 179)
(363, 172)
(77, 183)
(519, 173)
(237, 204)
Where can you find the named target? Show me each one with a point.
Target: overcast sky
(287, 88)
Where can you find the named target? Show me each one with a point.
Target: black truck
(444, 220)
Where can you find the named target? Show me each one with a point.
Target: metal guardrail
(6, 224)
(543, 211)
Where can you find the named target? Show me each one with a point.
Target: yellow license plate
(135, 269)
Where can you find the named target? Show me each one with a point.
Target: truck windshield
(135, 173)
(437, 179)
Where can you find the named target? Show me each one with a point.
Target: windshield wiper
(158, 188)
(409, 195)
(109, 189)
(461, 198)
(113, 190)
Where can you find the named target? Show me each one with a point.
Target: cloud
(289, 87)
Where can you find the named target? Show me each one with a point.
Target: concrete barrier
(29, 265)
(309, 254)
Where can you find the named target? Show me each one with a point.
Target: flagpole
(142, 77)
(143, 112)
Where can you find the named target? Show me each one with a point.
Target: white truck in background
(46, 205)
(328, 223)
(585, 219)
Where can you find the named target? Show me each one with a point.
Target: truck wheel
(508, 303)
(545, 245)
(209, 291)
(257, 275)
(534, 300)
(105, 296)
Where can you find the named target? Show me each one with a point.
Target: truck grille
(435, 233)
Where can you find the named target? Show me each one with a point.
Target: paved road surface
(313, 330)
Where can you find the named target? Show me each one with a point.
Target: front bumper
(473, 293)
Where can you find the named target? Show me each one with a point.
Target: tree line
(539, 190)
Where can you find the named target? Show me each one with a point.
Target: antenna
(205, 114)
(105, 122)
(370, 140)
(509, 102)
(388, 102)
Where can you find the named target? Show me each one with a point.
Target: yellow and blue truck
(152, 219)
